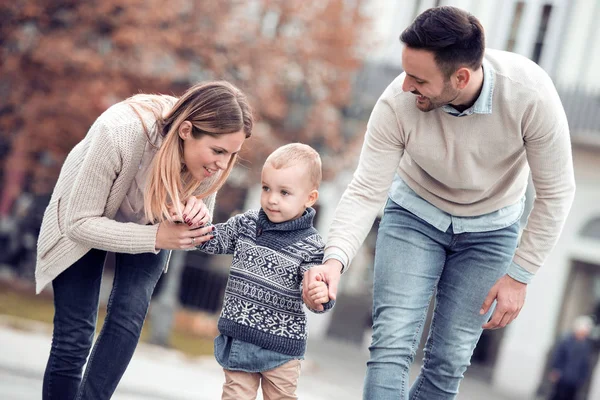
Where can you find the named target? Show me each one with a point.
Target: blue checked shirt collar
(483, 104)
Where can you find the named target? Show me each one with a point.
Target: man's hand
(510, 297)
(329, 273)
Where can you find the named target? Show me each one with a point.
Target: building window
(516, 23)
(541, 34)
(591, 229)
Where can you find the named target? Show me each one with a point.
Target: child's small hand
(318, 291)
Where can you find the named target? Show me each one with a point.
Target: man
(450, 144)
(571, 361)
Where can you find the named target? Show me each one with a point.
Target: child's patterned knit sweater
(263, 297)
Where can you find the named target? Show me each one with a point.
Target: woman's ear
(312, 198)
(185, 130)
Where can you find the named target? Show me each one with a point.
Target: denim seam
(52, 363)
(453, 240)
(413, 349)
(95, 347)
(431, 348)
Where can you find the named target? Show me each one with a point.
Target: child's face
(286, 192)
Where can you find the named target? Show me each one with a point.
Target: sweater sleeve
(548, 150)
(91, 187)
(363, 199)
(225, 239)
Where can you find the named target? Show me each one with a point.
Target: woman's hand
(176, 236)
(195, 213)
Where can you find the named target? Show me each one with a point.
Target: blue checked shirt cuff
(519, 273)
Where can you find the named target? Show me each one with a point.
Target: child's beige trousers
(277, 384)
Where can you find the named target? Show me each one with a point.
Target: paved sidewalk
(331, 371)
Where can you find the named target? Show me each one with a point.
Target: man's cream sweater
(471, 165)
(93, 183)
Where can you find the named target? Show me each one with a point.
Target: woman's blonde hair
(213, 108)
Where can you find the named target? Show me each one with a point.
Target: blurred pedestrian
(571, 361)
(450, 145)
(262, 324)
(145, 163)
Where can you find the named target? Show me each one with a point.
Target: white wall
(388, 20)
(554, 37)
(580, 39)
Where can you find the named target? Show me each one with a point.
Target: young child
(262, 324)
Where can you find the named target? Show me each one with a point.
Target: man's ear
(463, 76)
(185, 130)
(312, 198)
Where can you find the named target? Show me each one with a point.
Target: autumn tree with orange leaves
(66, 61)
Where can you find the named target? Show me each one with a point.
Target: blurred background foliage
(65, 61)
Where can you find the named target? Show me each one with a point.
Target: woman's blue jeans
(76, 297)
(412, 260)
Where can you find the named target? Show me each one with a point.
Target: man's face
(425, 80)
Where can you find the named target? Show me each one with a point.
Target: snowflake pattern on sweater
(263, 298)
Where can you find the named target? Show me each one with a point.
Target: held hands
(510, 297)
(318, 291)
(328, 273)
(188, 230)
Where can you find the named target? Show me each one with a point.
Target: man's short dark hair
(454, 36)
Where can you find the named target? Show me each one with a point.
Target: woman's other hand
(195, 213)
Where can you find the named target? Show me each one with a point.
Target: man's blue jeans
(76, 297)
(412, 260)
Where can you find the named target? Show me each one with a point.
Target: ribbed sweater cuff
(147, 239)
(326, 307)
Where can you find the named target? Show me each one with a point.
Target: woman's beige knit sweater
(93, 183)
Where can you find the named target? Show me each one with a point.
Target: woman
(145, 164)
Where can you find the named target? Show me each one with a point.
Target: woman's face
(207, 155)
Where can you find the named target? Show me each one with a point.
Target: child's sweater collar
(305, 221)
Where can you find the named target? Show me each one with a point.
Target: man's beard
(448, 95)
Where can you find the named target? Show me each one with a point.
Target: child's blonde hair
(298, 153)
